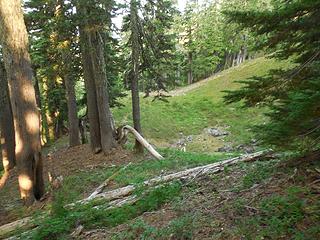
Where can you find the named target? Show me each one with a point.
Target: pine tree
(290, 32)
(149, 45)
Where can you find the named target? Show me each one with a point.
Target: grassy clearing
(202, 107)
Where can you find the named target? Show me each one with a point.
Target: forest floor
(266, 199)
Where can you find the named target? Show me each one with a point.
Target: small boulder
(226, 148)
(215, 132)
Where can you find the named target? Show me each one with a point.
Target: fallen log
(106, 182)
(189, 173)
(121, 196)
(8, 228)
(122, 136)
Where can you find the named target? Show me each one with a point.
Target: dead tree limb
(122, 136)
(106, 182)
(189, 173)
(6, 229)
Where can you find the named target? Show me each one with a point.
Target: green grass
(75, 185)
(61, 220)
(279, 217)
(202, 107)
(181, 228)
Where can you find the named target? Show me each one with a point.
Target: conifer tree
(149, 44)
(290, 33)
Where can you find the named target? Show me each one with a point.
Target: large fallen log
(122, 136)
(189, 173)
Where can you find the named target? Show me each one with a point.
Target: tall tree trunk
(226, 63)
(190, 73)
(64, 37)
(6, 127)
(73, 121)
(100, 77)
(234, 59)
(244, 53)
(239, 57)
(93, 113)
(92, 48)
(23, 100)
(135, 53)
(43, 119)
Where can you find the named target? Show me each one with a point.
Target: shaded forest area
(224, 89)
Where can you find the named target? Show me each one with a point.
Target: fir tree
(290, 31)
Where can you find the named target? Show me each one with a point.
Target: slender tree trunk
(6, 124)
(226, 63)
(63, 37)
(73, 120)
(234, 59)
(239, 57)
(135, 53)
(43, 119)
(190, 73)
(245, 53)
(22, 95)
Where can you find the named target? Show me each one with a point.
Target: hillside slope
(193, 109)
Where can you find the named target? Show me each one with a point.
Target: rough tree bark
(6, 128)
(73, 121)
(14, 40)
(105, 118)
(93, 114)
(100, 119)
(135, 53)
(190, 73)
